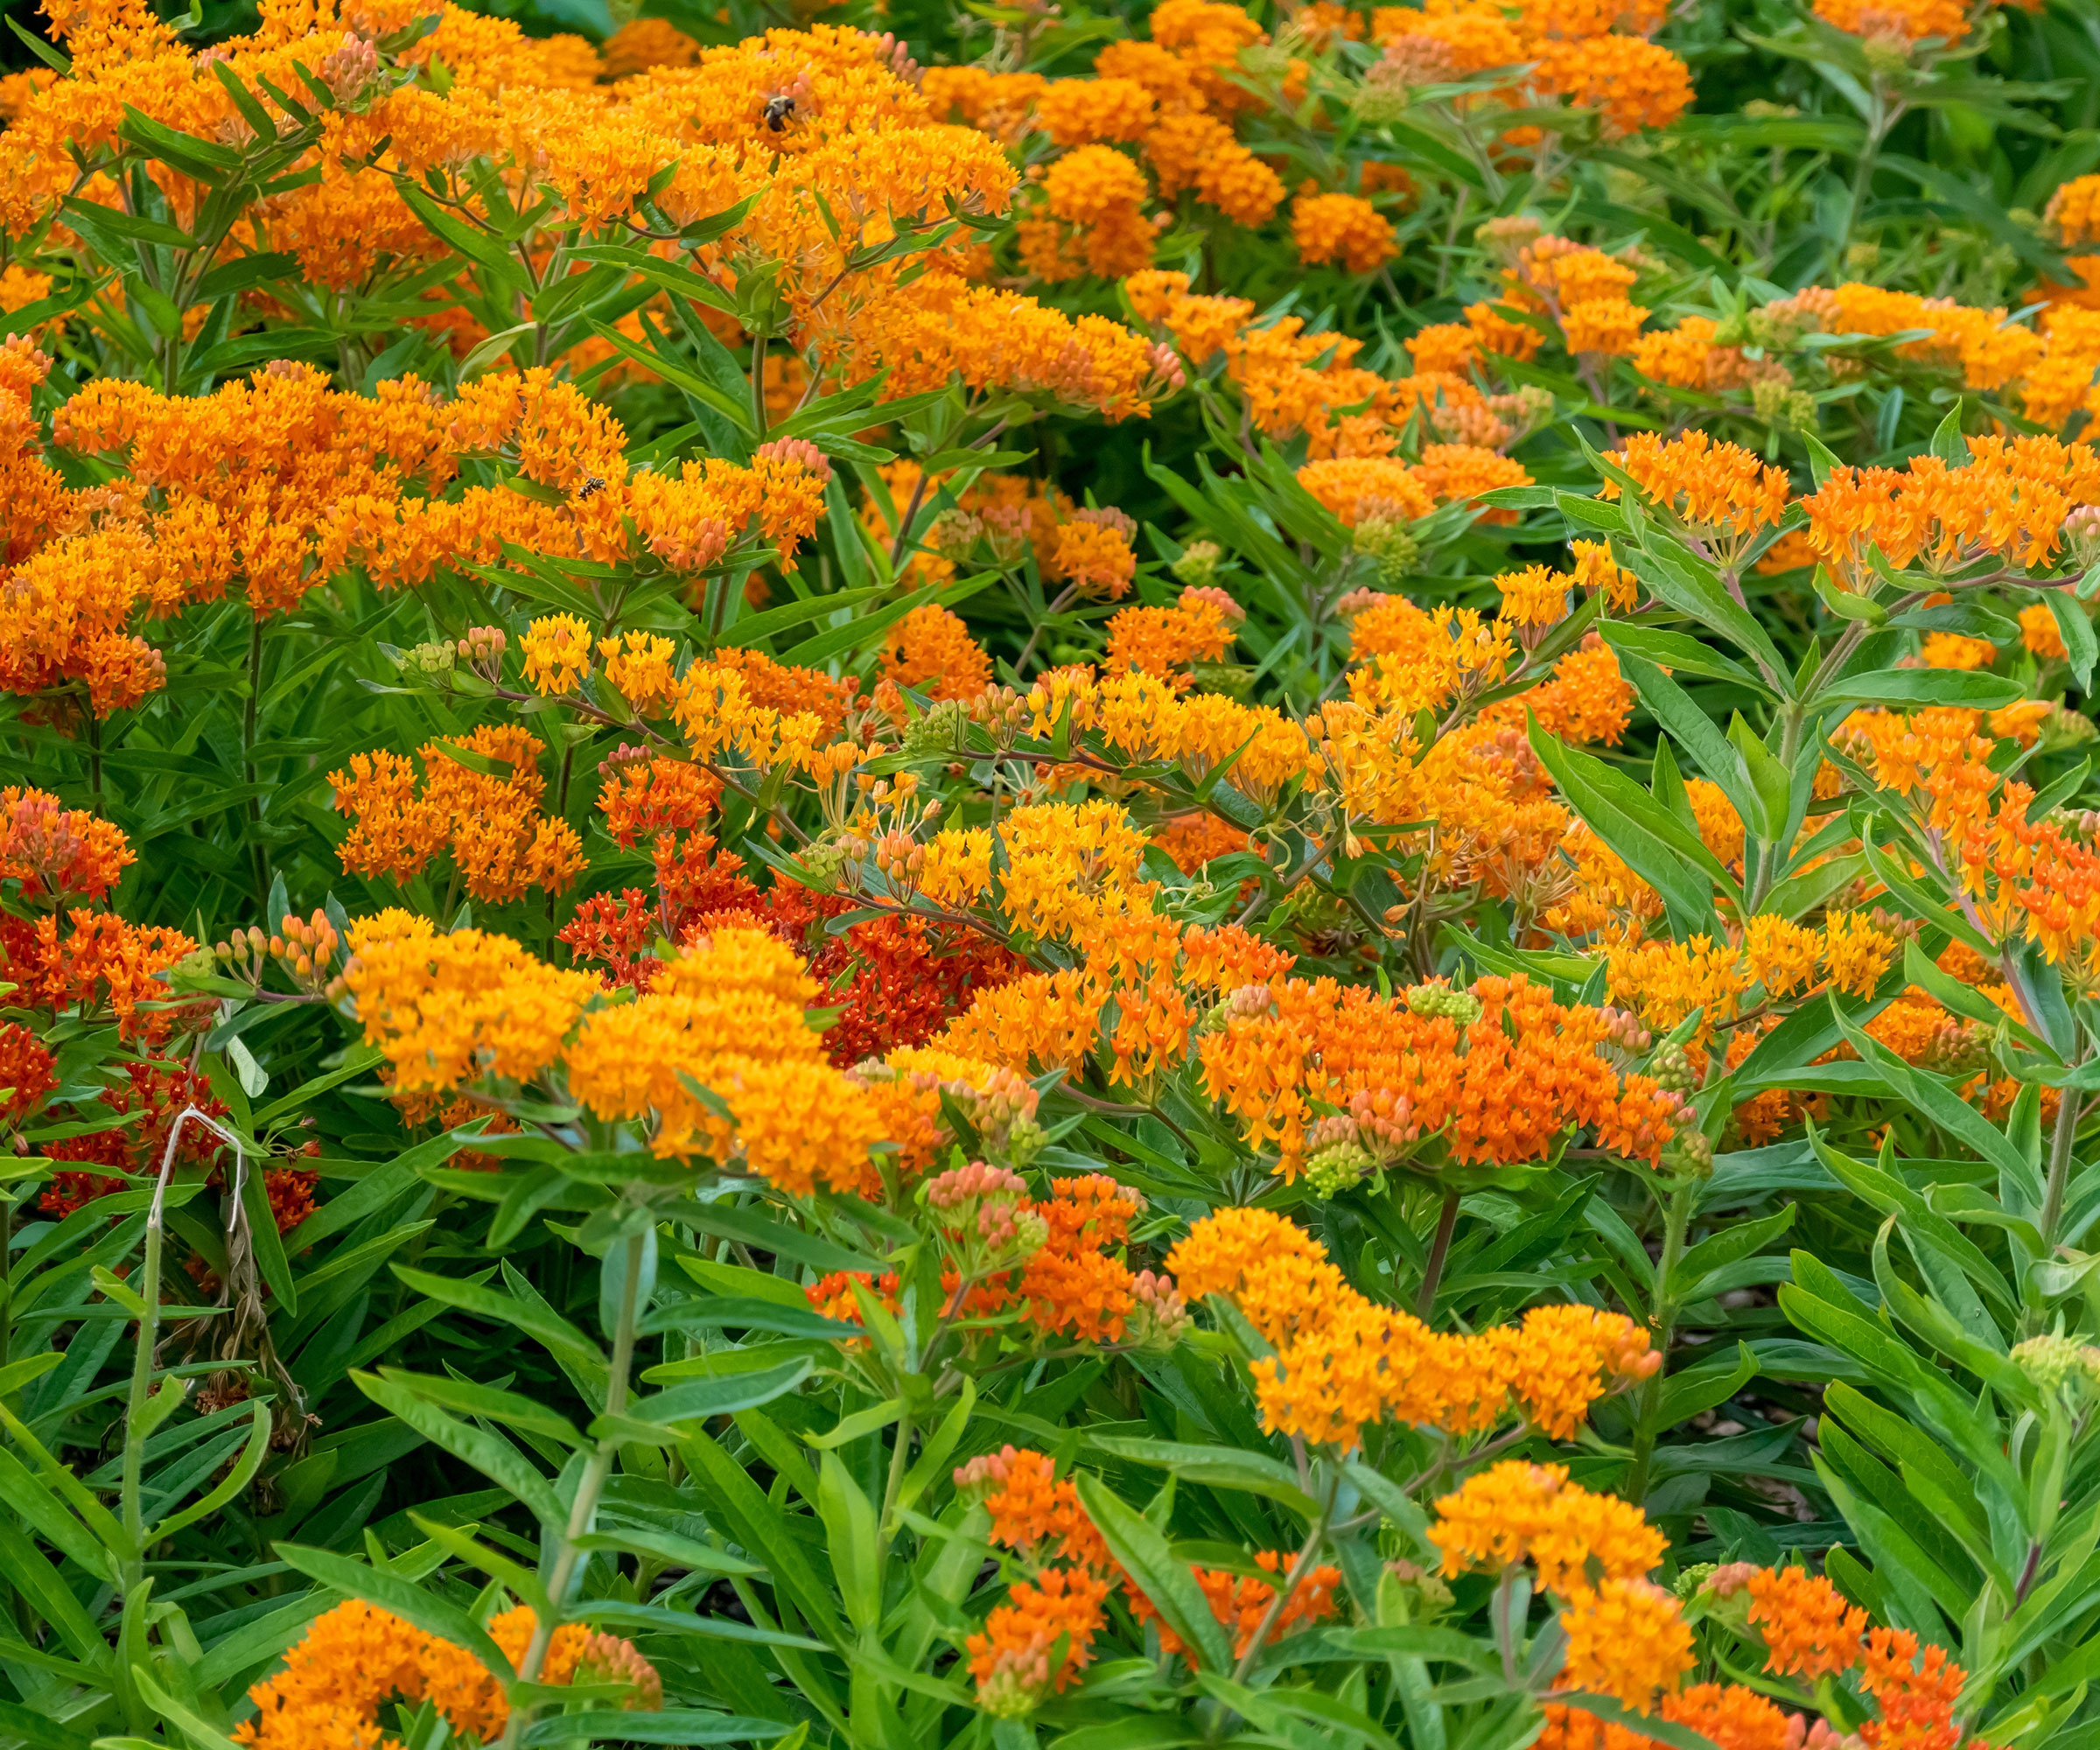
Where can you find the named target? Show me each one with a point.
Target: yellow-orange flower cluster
(1343, 1362)
(1627, 1636)
(356, 1658)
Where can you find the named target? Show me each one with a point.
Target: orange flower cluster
(1241, 1602)
(1293, 382)
(487, 820)
(930, 649)
(1578, 54)
(1627, 1636)
(1095, 198)
(1011, 1658)
(2049, 364)
(99, 965)
(1171, 97)
(1343, 1361)
(2009, 500)
(1072, 1281)
(1035, 1513)
(56, 851)
(1502, 1086)
(1662, 981)
(25, 1072)
(1164, 640)
(449, 1009)
(1810, 1630)
(1582, 290)
(729, 1013)
(1158, 976)
(356, 1658)
(1067, 866)
(1905, 22)
(252, 485)
(2039, 880)
(1733, 1718)
(1720, 492)
(1342, 228)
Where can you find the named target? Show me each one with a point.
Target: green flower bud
(1430, 1001)
(1336, 1168)
(1671, 1067)
(1198, 564)
(940, 731)
(1394, 553)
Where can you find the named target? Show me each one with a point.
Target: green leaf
(230, 1485)
(737, 1505)
(511, 1408)
(756, 628)
(2074, 626)
(1679, 652)
(40, 1731)
(1738, 1240)
(1936, 1101)
(204, 1736)
(1973, 688)
(1656, 846)
(1674, 575)
(540, 1322)
(1153, 1568)
(478, 246)
(681, 1725)
(748, 1315)
(1215, 1467)
(1922, 970)
(270, 1261)
(494, 1456)
(696, 1400)
(755, 1228)
(857, 1426)
(849, 1518)
(464, 1547)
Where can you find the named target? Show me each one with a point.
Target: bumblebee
(591, 487)
(779, 112)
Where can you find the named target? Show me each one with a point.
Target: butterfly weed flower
(556, 649)
(1810, 1629)
(54, 852)
(1011, 1659)
(1341, 228)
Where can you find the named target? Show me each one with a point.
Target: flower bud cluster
(1159, 1315)
(1197, 565)
(1439, 998)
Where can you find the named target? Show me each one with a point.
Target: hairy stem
(1676, 1219)
(2060, 1167)
(589, 1488)
(1440, 1249)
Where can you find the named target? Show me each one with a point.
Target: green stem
(1880, 122)
(248, 713)
(1771, 855)
(2060, 1167)
(1287, 1585)
(7, 1298)
(1440, 1249)
(589, 1488)
(758, 388)
(133, 1567)
(1676, 1219)
(884, 1529)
